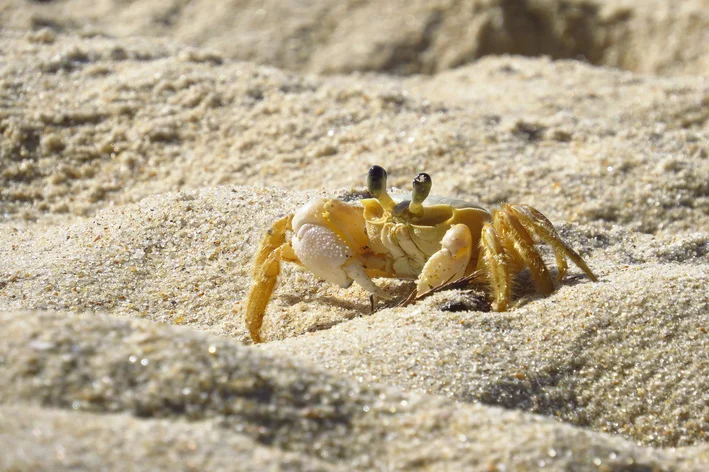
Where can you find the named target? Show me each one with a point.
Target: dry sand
(399, 36)
(137, 176)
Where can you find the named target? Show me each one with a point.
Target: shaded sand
(219, 394)
(138, 175)
(52, 439)
(399, 36)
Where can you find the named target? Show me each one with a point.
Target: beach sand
(138, 175)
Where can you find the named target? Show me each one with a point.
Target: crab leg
(266, 267)
(494, 262)
(507, 247)
(532, 218)
(518, 243)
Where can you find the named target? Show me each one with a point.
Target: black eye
(376, 180)
(422, 178)
(422, 187)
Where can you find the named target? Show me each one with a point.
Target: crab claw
(450, 261)
(323, 253)
(328, 237)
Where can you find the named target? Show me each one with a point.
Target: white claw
(323, 253)
(355, 270)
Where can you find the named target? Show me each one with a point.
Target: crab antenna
(377, 186)
(422, 187)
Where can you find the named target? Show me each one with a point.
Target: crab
(435, 240)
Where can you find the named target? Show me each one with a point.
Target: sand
(399, 36)
(138, 174)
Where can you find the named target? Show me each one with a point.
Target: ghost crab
(440, 242)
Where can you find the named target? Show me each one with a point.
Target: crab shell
(422, 236)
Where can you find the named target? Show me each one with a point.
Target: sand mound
(192, 399)
(135, 118)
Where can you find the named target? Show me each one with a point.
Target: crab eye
(376, 181)
(377, 186)
(422, 187)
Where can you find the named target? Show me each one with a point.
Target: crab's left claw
(450, 262)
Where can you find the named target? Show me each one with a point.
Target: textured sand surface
(137, 176)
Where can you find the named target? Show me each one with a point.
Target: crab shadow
(329, 300)
(349, 310)
(468, 299)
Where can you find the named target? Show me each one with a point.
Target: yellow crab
(437, 243)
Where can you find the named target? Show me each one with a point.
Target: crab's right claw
(329, 237)
(266, 267)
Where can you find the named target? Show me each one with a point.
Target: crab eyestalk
(422, 187)
(377, 186)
